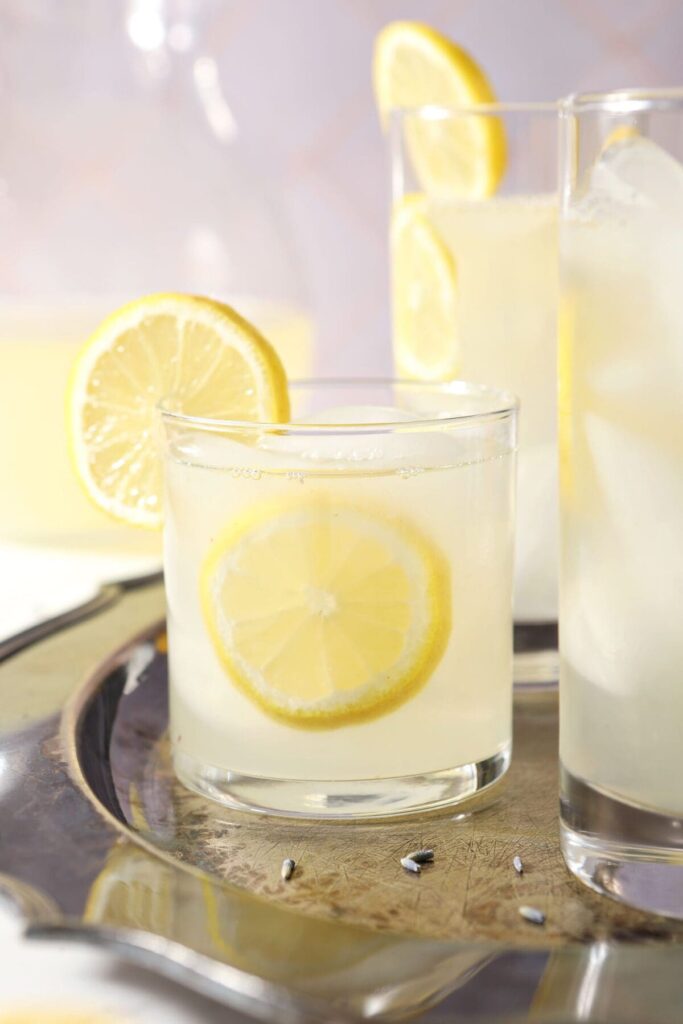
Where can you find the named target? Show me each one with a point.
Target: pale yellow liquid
(461, 716)
(41, 500)
(621, 438)
(505, 252)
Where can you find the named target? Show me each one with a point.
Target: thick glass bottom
(621, 850)
(341, 799)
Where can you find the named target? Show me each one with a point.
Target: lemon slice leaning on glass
(200, 351)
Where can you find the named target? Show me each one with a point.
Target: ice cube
(400, 450)
(636, 172)
(624, 274)
(625, 571)
(348, 414)
(633, 485)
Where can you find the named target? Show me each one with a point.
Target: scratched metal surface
(352, 872)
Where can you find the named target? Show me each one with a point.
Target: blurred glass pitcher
(119, 176)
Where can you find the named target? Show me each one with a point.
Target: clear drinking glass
(621, 469)
(339, 598)
(121, 174)
(485, 307)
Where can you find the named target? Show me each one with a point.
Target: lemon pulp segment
(324, 614)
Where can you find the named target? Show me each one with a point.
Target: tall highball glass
(621, 468)
(474, 281)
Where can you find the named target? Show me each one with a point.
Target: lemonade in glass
(337, 558)
(339, 599)
(621, 452)
(473, 242)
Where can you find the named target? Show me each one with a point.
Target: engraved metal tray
(99, 842)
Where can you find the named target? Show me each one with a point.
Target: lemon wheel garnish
(325, 614)
(453, 156)
(424, 295)
(201, 352)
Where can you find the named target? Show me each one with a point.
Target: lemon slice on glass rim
(453, 157)
(325, 614)
(201, 352)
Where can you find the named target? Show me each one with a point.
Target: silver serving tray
(99, 843)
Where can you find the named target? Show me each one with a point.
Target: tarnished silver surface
(99, 844)
(105, 596)
(206, 975)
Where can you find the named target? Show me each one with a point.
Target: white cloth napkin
(37, 583)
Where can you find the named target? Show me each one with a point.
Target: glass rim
(440, 111)
(504, 405)
(623, 101)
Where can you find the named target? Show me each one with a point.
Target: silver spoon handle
(107, 595)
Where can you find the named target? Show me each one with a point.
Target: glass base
(621, 850)
(341, 800)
